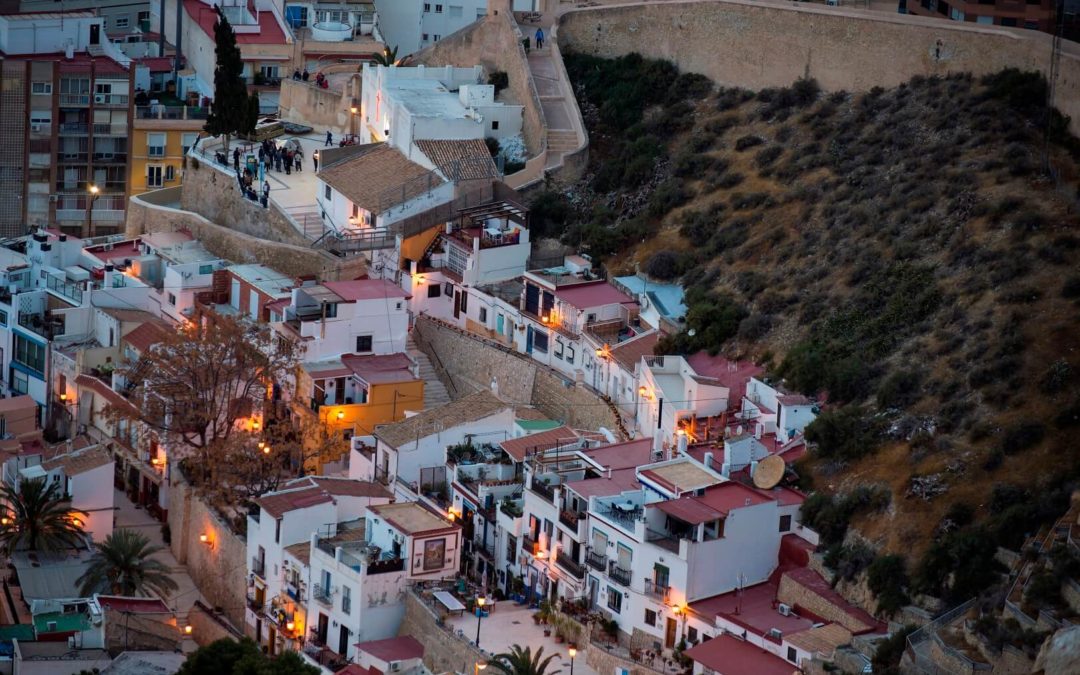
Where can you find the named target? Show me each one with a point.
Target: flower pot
(547, 632)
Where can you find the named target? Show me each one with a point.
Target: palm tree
(387, 57)
(38, 517)
(122, 566)
(520, 661)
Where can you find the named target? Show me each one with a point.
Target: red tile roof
(629, 353)
(690, 510)
(596, 294)
(620, 481)
(727, 655)
(103, 390)
(393, 649)
(354, 669)
(365, 289)
(625, 455)
(145, 336)
(717, 502)
(133, 605)
(857, 620)
(518, 448)
(755, 609)
(313, 490)
(270, 32)
(731, 374)
(380, 368)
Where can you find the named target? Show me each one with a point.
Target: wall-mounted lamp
(420, 279)
(341, 414)
(266, 449)
(255, 425)
(262, 444)
(76, 522)
(156, 461)
(354, 110)
(289, 625)
(63, 397)
(5, 521)
(643, 391)
(188, 629)
(205, 539)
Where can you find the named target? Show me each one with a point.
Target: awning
(447, 600)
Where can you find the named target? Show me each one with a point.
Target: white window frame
(150, 171)
(152, 148)
(44, 87)
(122, 21)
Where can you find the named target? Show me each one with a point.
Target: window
(614, 599)
(154, 177)
(435, 38)
(792, 655)
(785, 523)
(985, 20)
(326, 193)
(691, 634)
(40, 119)
(494, 125)
(277, 533)
(483, 315)
(172, 299)
(1008, 21)
(144, 16)
(270, 72)
(454, 10)
(558, 348)
(206, 269)
(464, 301)
(650, 617)
(20, 382)
(41, 87)
(363, 343)
(3, 318)
(30, 354)
(188, 140)
(540, 342)
(346, 600)
(438, 9)
(155, 145)
(330, 310)
(571, 351)
(170, 173)
(424, 37)
(427, 8)
(122, 21)
(448, 290)
(434, 290)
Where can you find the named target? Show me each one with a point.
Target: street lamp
(95, 192)
(573, 653)
(479, 615)
(478, 666)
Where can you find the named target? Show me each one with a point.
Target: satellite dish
(768, 473)
(691, 332)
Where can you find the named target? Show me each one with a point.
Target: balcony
(322, 595)
(659, 591)
(163, 112)
(110, 158)
(663, 540)
(258, 567)
(383, 567)
(45, 325)
(596, 561)
(571, 518)
(618, 574)
(110, 100)
(254, 604)
(543, 489)
(74, 100)
(529, 545)
(567, 562)
(625, 514)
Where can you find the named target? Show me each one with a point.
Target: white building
(278, 539)
(774, 410)
(362, 316)
(43, 33)
(402, 105)
(411, 25)
(360, 571)
(413, 451)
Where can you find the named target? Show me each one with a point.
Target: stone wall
(159, 212)
(495, 43)
(305, 103)
(471, 362)
(759, 43)
(218, 567)
(125, 631)
(607, 662)
(208, 626)
(443, 651)
(948, 659)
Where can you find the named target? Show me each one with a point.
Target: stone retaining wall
(443, 651)
(159, 211)
(305, 103)
(761, 43)
(471, 363)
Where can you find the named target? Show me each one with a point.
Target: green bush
(663, 265)
(500, 79)
(887, 578)
(845, 433)
(830, 516)
(748, 141)
(549, 213)
(890, 650)
(900, 389)
(1022, 436)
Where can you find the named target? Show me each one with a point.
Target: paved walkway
(131, 517)
(511, 624)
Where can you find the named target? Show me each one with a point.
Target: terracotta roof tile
(313, 490)
(460, 160)
(145, 336)
(518, 448)
(628, 353)
(81, 461)
(393, 649)
(378, 177)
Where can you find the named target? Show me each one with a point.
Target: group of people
(280, 157)
(320, 79)
(246, 180)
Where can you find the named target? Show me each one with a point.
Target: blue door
(528, 340)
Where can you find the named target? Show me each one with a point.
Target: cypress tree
(231, 113)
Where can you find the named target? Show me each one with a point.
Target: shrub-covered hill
(901, 254)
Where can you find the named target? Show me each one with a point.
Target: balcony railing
(258, 567)
(528, 544)
(74, 99)
(163, 112)
(567, 562)
(385, 566)
(618, 574)
(627, 518)
(658, 591)
(543, 489)
(596, 561)
(322, 595)
(571, 518)
(254, 604)
(663, 540)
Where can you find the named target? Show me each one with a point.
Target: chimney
(682, 441)
(725, 470)
(708, 460)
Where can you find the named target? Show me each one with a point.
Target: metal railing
(571, 518)
(596, 561)
(543, 489)
(567, 562)
(618, 574)
(258, 567)
(322, 595)
(169, 112)
(659, 591)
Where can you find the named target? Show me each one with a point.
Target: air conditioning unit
(785, 610)
(108, 247)
(395, 666)
(776, 633)
(35, 127)
(99, 98)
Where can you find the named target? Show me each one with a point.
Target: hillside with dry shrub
(903, 255)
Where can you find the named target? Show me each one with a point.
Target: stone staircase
(562, 140)
(308, 219)
(435, 393)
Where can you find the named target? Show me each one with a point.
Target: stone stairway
(435, 393)
(562, 140)
(308, 220)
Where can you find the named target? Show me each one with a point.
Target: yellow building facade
(161, 138)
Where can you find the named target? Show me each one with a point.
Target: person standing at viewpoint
(539, 38)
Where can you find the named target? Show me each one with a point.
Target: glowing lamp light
(205, 539)
(262, 444)
(420, 279)
(545, 318)
(481, 665)
(266, 450)
(680, 432)
(290, 626)
(572, 652)
(341, 414)
(255, 425)
(63, 397)
(481, 601)
(354, 110)
(156, 461)
(5, 521)
(540, 555)
(188, 629)
(600, 353)
(94, 189)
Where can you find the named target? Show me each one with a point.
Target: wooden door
(669, 634)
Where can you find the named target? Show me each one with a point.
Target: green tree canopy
(122, 566)
(234, 111)
(520, 661)
(228, 657)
